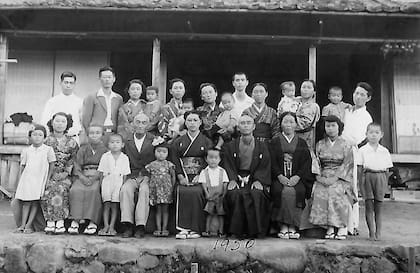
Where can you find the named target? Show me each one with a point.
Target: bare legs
(162, 216)
(29, 210)
(110, 217)
(374, 218)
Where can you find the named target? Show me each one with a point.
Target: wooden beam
(159, 69)
(198, 36)
(411, 260)
(3, 78)
(312, 63)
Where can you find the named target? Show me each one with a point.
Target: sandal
(103, 232)
(340, 237)
(283, 235)
(49, 230)
(112, 233)
(19, 230)
(165, 233)
(193, 235)
(221, 235)
(294, 235)
(28, 231)
(181, 235)
(74, 228)
(90, 230)
(157, 233)
(205, 234)
(329, 235)
(59, 230)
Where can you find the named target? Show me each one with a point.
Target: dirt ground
(401, 223)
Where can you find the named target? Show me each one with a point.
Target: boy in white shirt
(373, 164)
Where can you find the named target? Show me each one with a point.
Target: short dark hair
(193, 112)
(367, 87)
(285, 84)
(374, 124)
(67, 74)
(154, 88)
(311, 81)
(214, 149)
(284, 114)
(333, 118)
(260, 84)
(68, 118)
(171, 82)
(106, 68)
(38, 127)
(116, 135)
(335, 88)
(188, 100)
(207, 84)
(138, 81)
(239, 73)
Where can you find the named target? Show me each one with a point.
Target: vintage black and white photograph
(210, 136)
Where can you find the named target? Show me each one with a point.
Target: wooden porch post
(312, 63)
(4, 48)
(159, 69)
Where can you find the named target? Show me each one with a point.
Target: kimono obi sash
(192, 165)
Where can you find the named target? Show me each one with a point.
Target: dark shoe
(139, 232)
(128, 231)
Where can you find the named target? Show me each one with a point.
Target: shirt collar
(139, 139)
(130, 101)
(287, 138)
(102, 94)
(361, 109)
(247, 98)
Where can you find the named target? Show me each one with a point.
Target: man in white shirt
(242, 100)
(101, 108)
(66, 102)
(356, 121)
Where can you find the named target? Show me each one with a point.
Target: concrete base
(42, 253)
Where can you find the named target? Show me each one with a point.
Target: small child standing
(214, 180)
(36, 167)
(288, 103)
(153, 107)
(226, 121)
(114, 166)
(373, 164)
(161, 184)
(336, 107)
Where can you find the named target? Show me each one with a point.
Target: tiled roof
(350, 6)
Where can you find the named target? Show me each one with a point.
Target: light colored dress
(330, 204)
(34, 177)
(113, 171)
(55, 201)
(162, 182)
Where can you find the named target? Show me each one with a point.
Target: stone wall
(39, 253)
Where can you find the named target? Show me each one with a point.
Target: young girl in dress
(36, 167)
(214, 180)
(114, 166)
(161, 183)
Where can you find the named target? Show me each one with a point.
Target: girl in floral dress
(161, 183)
(55, 201)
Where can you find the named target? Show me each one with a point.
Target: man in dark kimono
(247, 163)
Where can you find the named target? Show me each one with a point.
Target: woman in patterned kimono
(291, 173)
(131, 108)
(85, 193)
(308, 113)
(265, 117)
(332, 190)
(188, 153)
(55, 202)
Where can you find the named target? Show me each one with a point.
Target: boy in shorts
(373, 164)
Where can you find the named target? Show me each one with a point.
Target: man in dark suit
(102, 106)
(140, 151)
